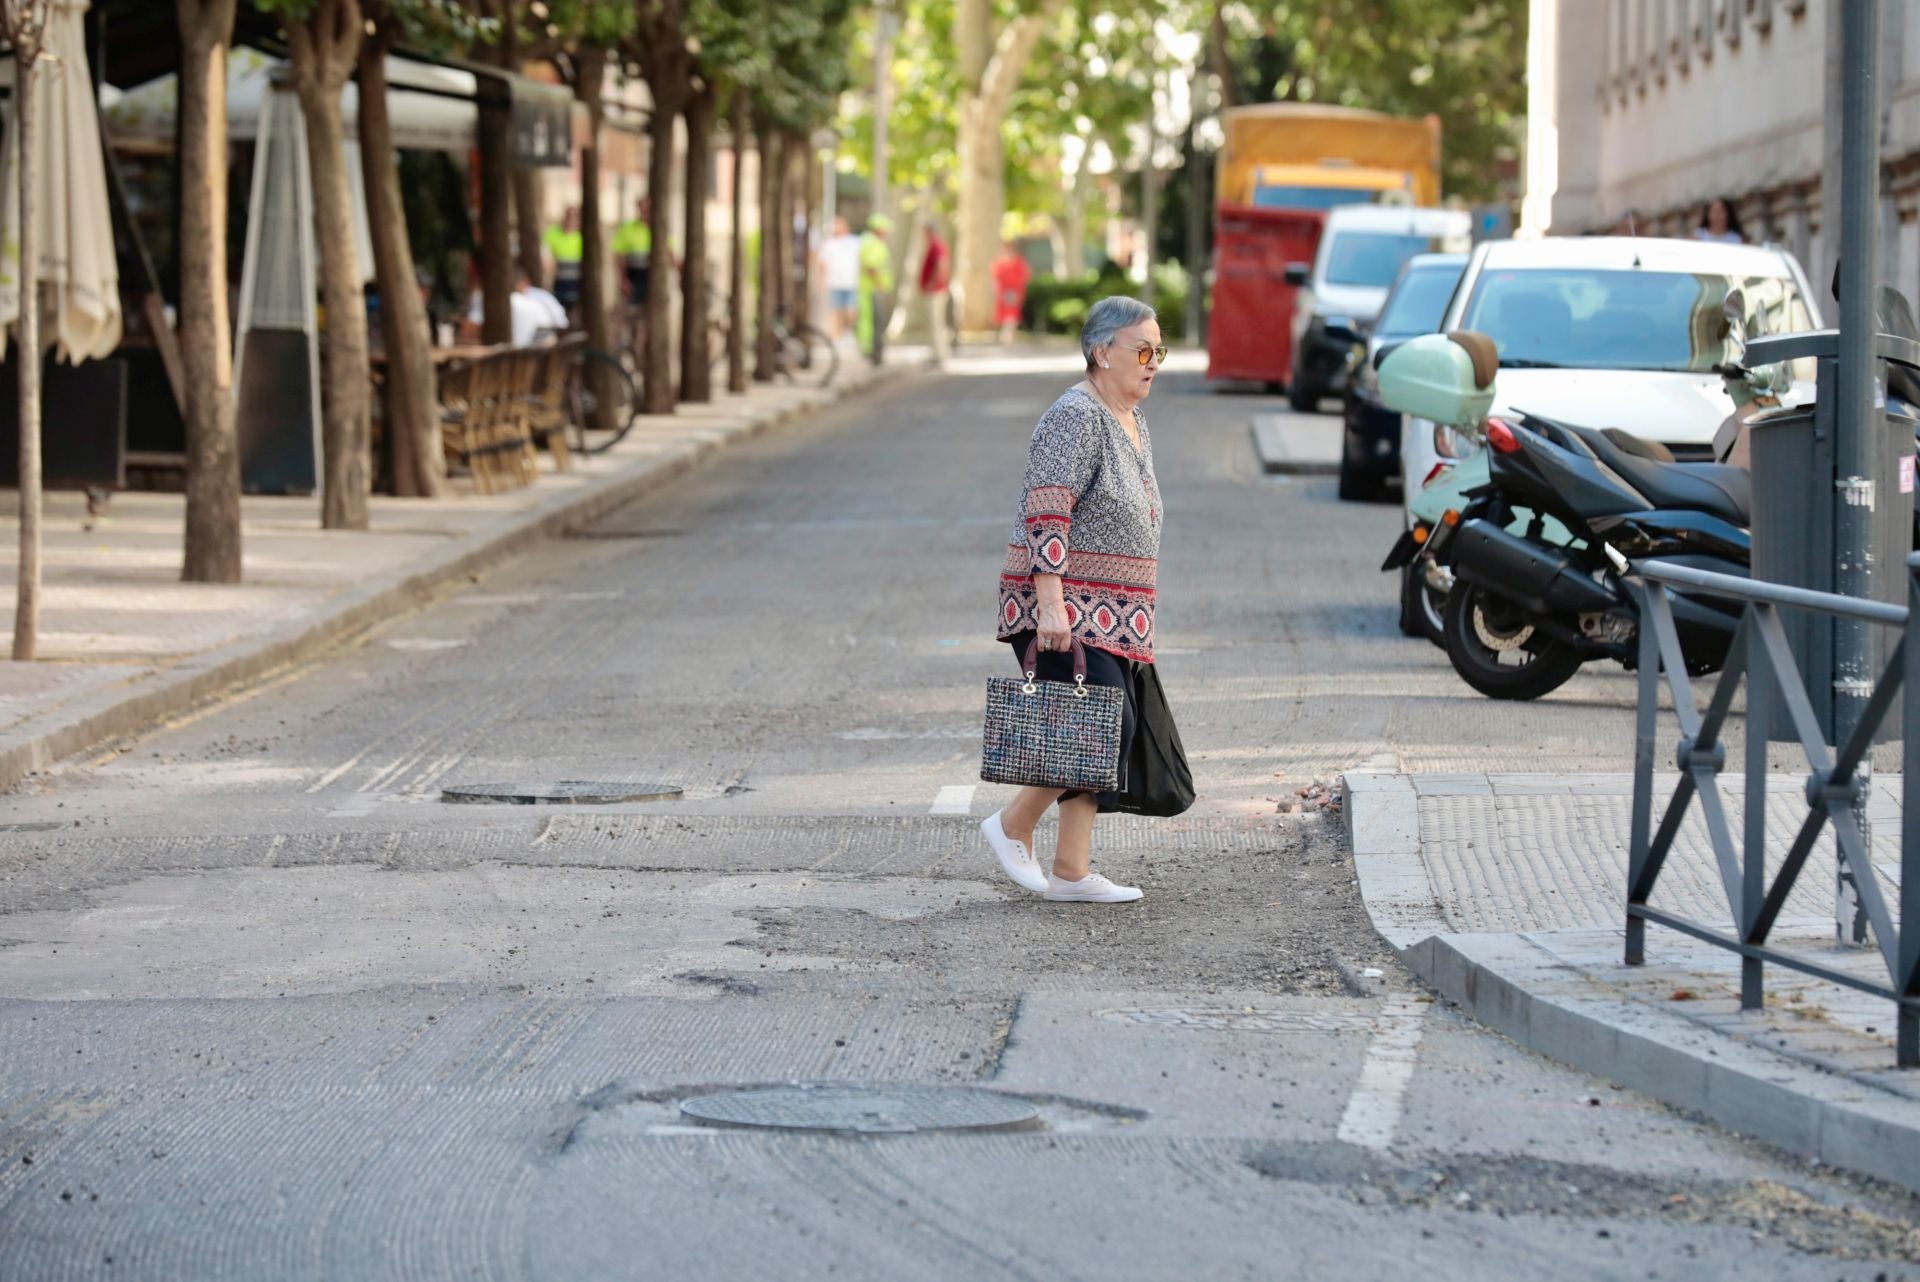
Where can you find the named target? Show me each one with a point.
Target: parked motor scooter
(1524, 614)
(1427, 578)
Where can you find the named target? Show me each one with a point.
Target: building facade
(1655, 107)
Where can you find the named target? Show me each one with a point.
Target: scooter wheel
(1497, 652)
(1421, 608)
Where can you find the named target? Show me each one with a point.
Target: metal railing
(1836, 787)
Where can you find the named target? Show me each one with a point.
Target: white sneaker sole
(1123, 895)
(1006, 851)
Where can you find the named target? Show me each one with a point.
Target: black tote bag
(1159, 781)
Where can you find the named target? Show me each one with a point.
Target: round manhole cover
(864, 1110)
(567, 792)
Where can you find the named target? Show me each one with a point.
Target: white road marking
(1374, 1109)
(954, 799)
(426, 645)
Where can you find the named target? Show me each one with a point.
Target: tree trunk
(590, 73)
(783, 226)
(26, 612)
(212, 551)
(493, 140)
(696, 356)
(768, 174)
(527, 232)
(413, 414)
(667, 96)
(990, 69)
(810, 192)
(1074, 232)
(325, 49)
(737, 255)
(524, 180)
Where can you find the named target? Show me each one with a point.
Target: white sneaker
(1090, 889)
(1015, 859)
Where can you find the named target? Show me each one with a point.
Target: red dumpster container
(1250, 333)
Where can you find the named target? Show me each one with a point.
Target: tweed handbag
(1049, 734)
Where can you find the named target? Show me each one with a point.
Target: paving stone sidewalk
(124, 644)
(1506, 893)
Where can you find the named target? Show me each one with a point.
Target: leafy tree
(1462, 60)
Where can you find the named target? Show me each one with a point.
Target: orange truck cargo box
(1295, 138)
(1250, 335)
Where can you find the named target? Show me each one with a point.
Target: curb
(142, 701)
(1297, 448)
(1516, 985)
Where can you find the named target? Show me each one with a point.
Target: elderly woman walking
(1081, 568)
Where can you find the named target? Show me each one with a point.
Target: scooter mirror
(1435, 377)
(1735, 311)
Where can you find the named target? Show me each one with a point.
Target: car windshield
(1373, 257)
(1585, 318)
(1419, 301)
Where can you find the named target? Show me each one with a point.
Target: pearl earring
(1104, 365)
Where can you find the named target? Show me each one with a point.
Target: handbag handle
(1031, 665)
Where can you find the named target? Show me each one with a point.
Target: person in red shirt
(1010, 276)
(936, 271)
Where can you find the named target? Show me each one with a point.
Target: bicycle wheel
(601, 401)
(808, 358)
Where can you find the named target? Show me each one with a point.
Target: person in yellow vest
(567, 246)
(876, 287)
(633, 246)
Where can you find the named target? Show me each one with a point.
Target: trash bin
(1795, 490)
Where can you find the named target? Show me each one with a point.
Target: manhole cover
(1248, 1019)
(864, 1110)
(567, 792)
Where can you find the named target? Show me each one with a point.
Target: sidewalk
(125, 644)
(1506, 893)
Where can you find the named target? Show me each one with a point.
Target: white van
(1361, 250)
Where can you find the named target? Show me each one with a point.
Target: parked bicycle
(602, 400)
(803, 357)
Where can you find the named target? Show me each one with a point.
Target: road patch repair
(1506, 893)
(1297, 444)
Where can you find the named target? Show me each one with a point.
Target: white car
(1361, 252)
(1610, 332)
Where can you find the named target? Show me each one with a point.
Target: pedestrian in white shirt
(535, 313)
(840, 267)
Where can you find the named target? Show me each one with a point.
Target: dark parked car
(1370, 453)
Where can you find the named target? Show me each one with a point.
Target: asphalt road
(270, 1009)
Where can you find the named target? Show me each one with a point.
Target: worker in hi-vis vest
(633, 246)
(876, 286)
(567, 246)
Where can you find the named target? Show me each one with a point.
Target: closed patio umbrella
(79, 277)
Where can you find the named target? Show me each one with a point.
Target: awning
(546, 117)
(432, 107)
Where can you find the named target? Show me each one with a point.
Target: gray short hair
(1108, 317)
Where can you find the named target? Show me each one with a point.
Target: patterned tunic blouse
(1090, 513)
